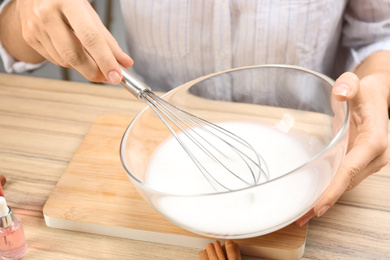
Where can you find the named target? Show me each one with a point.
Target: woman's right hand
(69, 33)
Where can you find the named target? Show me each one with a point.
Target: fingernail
(114, 77)
(305, 220)
(323, 210)
(342, 90)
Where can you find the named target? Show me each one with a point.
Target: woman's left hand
(367, 149)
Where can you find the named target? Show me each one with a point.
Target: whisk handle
(132, 84)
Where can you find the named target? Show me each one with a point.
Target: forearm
(11, 36)
(374, 73)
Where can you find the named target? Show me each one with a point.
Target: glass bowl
(285, 112)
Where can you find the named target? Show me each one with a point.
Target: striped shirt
(175, 41)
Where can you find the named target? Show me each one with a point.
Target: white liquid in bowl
(248, 212)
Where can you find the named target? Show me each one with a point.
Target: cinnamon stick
(211, 253)
(3, 180)
(203, 255)
(232, 250)
(220, 252)
(214, 251)
(238, 253)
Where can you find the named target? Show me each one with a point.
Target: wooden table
(42, 123)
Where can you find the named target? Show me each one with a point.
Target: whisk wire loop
(161, 113)
(188, 117)
(188, 125)
(202, 141)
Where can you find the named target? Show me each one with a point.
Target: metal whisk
(225, 160)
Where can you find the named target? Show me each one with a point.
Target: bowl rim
(188, 84)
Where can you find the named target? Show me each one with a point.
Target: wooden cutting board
(95, 195)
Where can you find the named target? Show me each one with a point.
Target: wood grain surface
(42, 124)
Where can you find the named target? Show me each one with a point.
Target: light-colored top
(175, 41)
(10, 64)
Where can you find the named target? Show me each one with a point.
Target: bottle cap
(6, 216)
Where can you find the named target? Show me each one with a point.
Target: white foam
(256, 210)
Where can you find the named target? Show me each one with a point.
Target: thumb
(346, 86)
(355, 167)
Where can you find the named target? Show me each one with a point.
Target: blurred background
(111, 15)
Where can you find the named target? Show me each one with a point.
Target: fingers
(94, 43)
(357, 166)
(46, 48)
(120, 56)
(39, 47)
(355, 161)
(347, 177)
(72, 52)
(346, 86)
(305, 218)
(361, 161)
(71, 34)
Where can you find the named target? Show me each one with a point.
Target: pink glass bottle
(13, 243)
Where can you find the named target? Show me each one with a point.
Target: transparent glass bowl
(286, 112)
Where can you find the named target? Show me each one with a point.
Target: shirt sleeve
(10, 64)
(366, 30)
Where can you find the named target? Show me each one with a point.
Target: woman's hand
(69, 33)
(367, 149)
